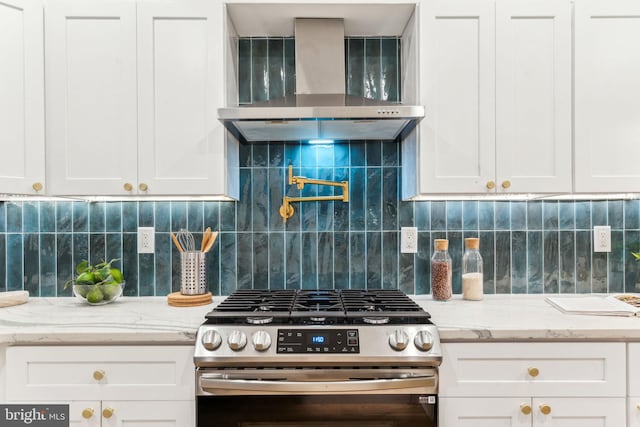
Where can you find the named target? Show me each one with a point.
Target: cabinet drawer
(114, 372)
(533, 369)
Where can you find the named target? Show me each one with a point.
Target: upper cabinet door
(21, 97)
(457, 62)
(607, 96)
(181, 85)
(533, 96)
(91, 97)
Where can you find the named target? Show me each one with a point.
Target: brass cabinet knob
(127, 186)
(533, 372)
(98, 375)
(491, 185)
(108, 412)
(37, 186)
(143, 186)
(545, 409)
(506, 184)
(87, 413)
(525, 409)
(638, 406)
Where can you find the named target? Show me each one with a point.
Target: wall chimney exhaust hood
(320, 109)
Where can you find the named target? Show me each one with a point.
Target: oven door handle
(227, 386)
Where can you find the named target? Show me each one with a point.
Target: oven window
(317, 411)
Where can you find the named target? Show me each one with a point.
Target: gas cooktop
(313, 307)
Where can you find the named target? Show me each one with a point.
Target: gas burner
(259, 320)
(375, 320)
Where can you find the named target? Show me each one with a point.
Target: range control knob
(237, 340)
(261, 340)
(423, 340)
(398, 340)
(211, 340)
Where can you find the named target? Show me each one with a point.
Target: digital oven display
(312, 341)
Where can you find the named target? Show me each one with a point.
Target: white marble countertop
(150, 320)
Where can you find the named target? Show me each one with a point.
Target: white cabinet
(607, 89)
(634, 385)
(108, 386)
(533, 384)
(132, 92)
(496, 84)
(22, 152)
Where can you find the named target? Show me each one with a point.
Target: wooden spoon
(205, 238)
(175, 241)
(210, 242)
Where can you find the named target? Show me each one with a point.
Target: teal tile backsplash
(527, 246)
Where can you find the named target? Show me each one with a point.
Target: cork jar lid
(441, 244)
(472, 243)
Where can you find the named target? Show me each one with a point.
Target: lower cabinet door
(583, 412)
(119, 413)
(634, 411)
(84, 413)
(484, 412)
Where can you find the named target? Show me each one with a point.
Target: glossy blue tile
(195, 215)
(14, 217)
(259, 70)
(244, 205)
(113, 247)
(30, 217)
(146, 274)
(309, 155)
(260, 156)
(276, 261)
(599, 209)
(357, 186)
(245, 260)
(620, 259)
(534, 215)
(423, 263)
(146, 215)
(374, 198)
(583, 215)
(486, 216)
(245, 155)
(503, 262)
(213, 269)
(502, 215)
(244, 71)
(357, 264)
(470, 215)
(81, 217)
(3, 262)
(129, 264)
(178, 216)
(390, 69)
(550, 215)
(423, 215)
(47, 271)
(583, 262)
(276, 181)
(487, 250)
(293, 245)
(276, 68)
(113, 216)
(390, 154)
(519, 262)
(276, 155)
(14, 246)
(31, 271)
(309, 277)
(289, 66)
(64, 263)
(47, 217)
(97, 248)
(325, 155)
(354, 51)
(438, 216)
(341, 155)
(599, 272)
(372, 79)
(518, 216)
(406, 214)
(357, 155)
(406, 275)
(551, 267)
(308, 211)
(390, 252)
(341, 260)
(326, 209)
(260, 199)
(535, 262)
(456, 250)
(228, 263)
(454, 215)
(374, 260)
(632, 214)
(567, 219)
(130, 216)
(3, 217)
(97, 217)
(567, 262)
(292, 155)
(373, 153)
(325, 260)
(80, 248)
(616, 214)
(211, 215)
(260, 261)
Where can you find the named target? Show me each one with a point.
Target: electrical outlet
(146, 240)
(602, 238)
(409, 240)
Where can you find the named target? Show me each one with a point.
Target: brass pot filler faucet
(286, 210)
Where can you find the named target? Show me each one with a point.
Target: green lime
(81, 290)
(95, 295)
(110, 290)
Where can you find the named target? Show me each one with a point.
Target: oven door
(317, 398)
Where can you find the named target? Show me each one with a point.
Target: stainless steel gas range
(311, 358)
